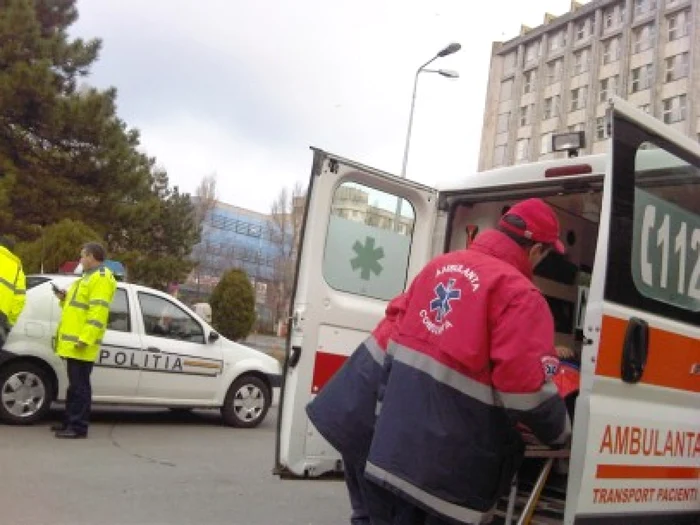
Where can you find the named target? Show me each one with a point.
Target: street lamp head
(452, 48)
(449, 73)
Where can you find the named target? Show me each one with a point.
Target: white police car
(155, 352)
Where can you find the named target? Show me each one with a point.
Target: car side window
(163, 318)
(119, 317)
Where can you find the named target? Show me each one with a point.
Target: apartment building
(557, 77)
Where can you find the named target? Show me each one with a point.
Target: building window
(677, 67)
(581, 61)
(532, 52)
(509, 62)
(521, 150)
(526, 114)
(546, 143)
(674, 109)
(608, 87)
(584, 29)
(499, 155)
(576, 127)
(506, 89)
(503, 121)
(557, 41)
(600, 129)
(643, 7)
(554, 70)
(641, 78)
(578, 98)
(611, 50)
(551, 107)
(678, 25)
(643, 38)
(529, 81)
(613, 17)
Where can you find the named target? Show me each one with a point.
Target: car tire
(246, 402)
(26, 393)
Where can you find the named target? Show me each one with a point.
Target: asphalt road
(156, 467)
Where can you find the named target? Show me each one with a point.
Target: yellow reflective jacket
(12, 285)
(85, 314)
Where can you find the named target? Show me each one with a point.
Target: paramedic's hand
(564, 352)
(60, 294)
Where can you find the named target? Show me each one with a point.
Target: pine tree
(65, 154)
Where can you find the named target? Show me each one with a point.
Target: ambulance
(625, 298)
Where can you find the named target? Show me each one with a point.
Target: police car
(155, 352)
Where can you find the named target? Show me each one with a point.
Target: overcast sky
(243, 88)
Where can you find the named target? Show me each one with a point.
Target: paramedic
(473, 354)
(506, 326)
(12, 288)
(83, 323)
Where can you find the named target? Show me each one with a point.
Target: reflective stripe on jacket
(12, 285)
(85, 314)
(473, 353)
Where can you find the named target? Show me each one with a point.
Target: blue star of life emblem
(444, 294)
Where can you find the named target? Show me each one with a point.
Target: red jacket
(472, 354)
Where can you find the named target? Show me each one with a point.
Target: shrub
(233, 305)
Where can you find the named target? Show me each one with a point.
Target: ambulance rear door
(636, 447)
(365, 235)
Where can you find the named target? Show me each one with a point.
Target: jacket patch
(440, 307)
(550, 366)
(443, 296)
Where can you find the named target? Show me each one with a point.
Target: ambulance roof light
(568, 171)
(571, 142)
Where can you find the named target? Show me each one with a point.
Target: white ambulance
(626, 297)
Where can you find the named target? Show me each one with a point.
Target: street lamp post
(452, 48)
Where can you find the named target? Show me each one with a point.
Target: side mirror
(213, 336)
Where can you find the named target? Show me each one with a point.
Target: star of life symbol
(444, 294)
(367, 259)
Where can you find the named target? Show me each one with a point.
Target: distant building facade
(558, 77)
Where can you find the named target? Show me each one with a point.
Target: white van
(626, 297)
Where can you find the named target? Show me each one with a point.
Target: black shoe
(58, 427)
(69, 433)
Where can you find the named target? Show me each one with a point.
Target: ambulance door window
(657, 268)
(119, 315)
(368, 242)
(162, 318)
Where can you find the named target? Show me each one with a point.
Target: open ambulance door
(365, 235)
(636, 445)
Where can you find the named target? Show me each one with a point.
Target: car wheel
(25, 393)
(246, 402)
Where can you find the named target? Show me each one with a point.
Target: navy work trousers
(78, 396)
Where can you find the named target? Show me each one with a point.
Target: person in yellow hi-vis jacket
(12, 288)
(83, 323)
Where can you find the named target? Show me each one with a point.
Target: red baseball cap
(541, 223)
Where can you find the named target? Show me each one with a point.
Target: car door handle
(153, 349)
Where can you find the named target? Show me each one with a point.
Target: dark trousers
(374, 505)
(78, 396)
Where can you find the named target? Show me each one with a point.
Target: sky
(242, 89)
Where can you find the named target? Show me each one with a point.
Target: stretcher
(549, 455)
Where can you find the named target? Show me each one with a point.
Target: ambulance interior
(563, 281)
